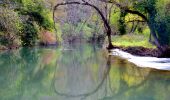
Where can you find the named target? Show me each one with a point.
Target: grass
(132, 40)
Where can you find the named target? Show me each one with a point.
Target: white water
(150, 62)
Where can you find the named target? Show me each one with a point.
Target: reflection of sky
(55, 74)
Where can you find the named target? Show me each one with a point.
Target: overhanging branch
(126, 9)
(106, 24)
(85, 4)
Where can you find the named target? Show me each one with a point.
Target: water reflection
(77, 72)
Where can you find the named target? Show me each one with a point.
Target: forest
(143, 23)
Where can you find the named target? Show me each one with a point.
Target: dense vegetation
(84, 20)
(155, 13)
(22, 21)
(142, 15)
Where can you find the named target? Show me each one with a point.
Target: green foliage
(156, 11)
(162, 20)
(29, 35)
(114, 18)
(159, 17)
(146, 31)
(114, 22)
(81, 31)
(10, 26)
(59, 32)
(21, 20)
(37, 12)
(132, 40)
(122, 25)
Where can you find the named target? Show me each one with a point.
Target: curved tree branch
(151, 27)
(84, 3)
(126, 9)
(104, 78)
(61, 4)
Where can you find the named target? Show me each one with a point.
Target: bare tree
(87, 3)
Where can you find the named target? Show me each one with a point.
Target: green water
(77, 72)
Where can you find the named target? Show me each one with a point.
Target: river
(77, 72)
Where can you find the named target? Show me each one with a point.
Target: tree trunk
(110, 45)
(153, 33)
(105, 21)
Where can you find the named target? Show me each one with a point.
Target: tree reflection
(84, 72)
(96, 89)
(116, 82)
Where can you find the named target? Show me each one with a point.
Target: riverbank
(132, 40)
(139, 50)
(13, 47)
(143, 51)
(137, 45)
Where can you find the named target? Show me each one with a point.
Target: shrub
(10, 26)
(36, 17)
(29, 35)
(122, 25)
(38, 12)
